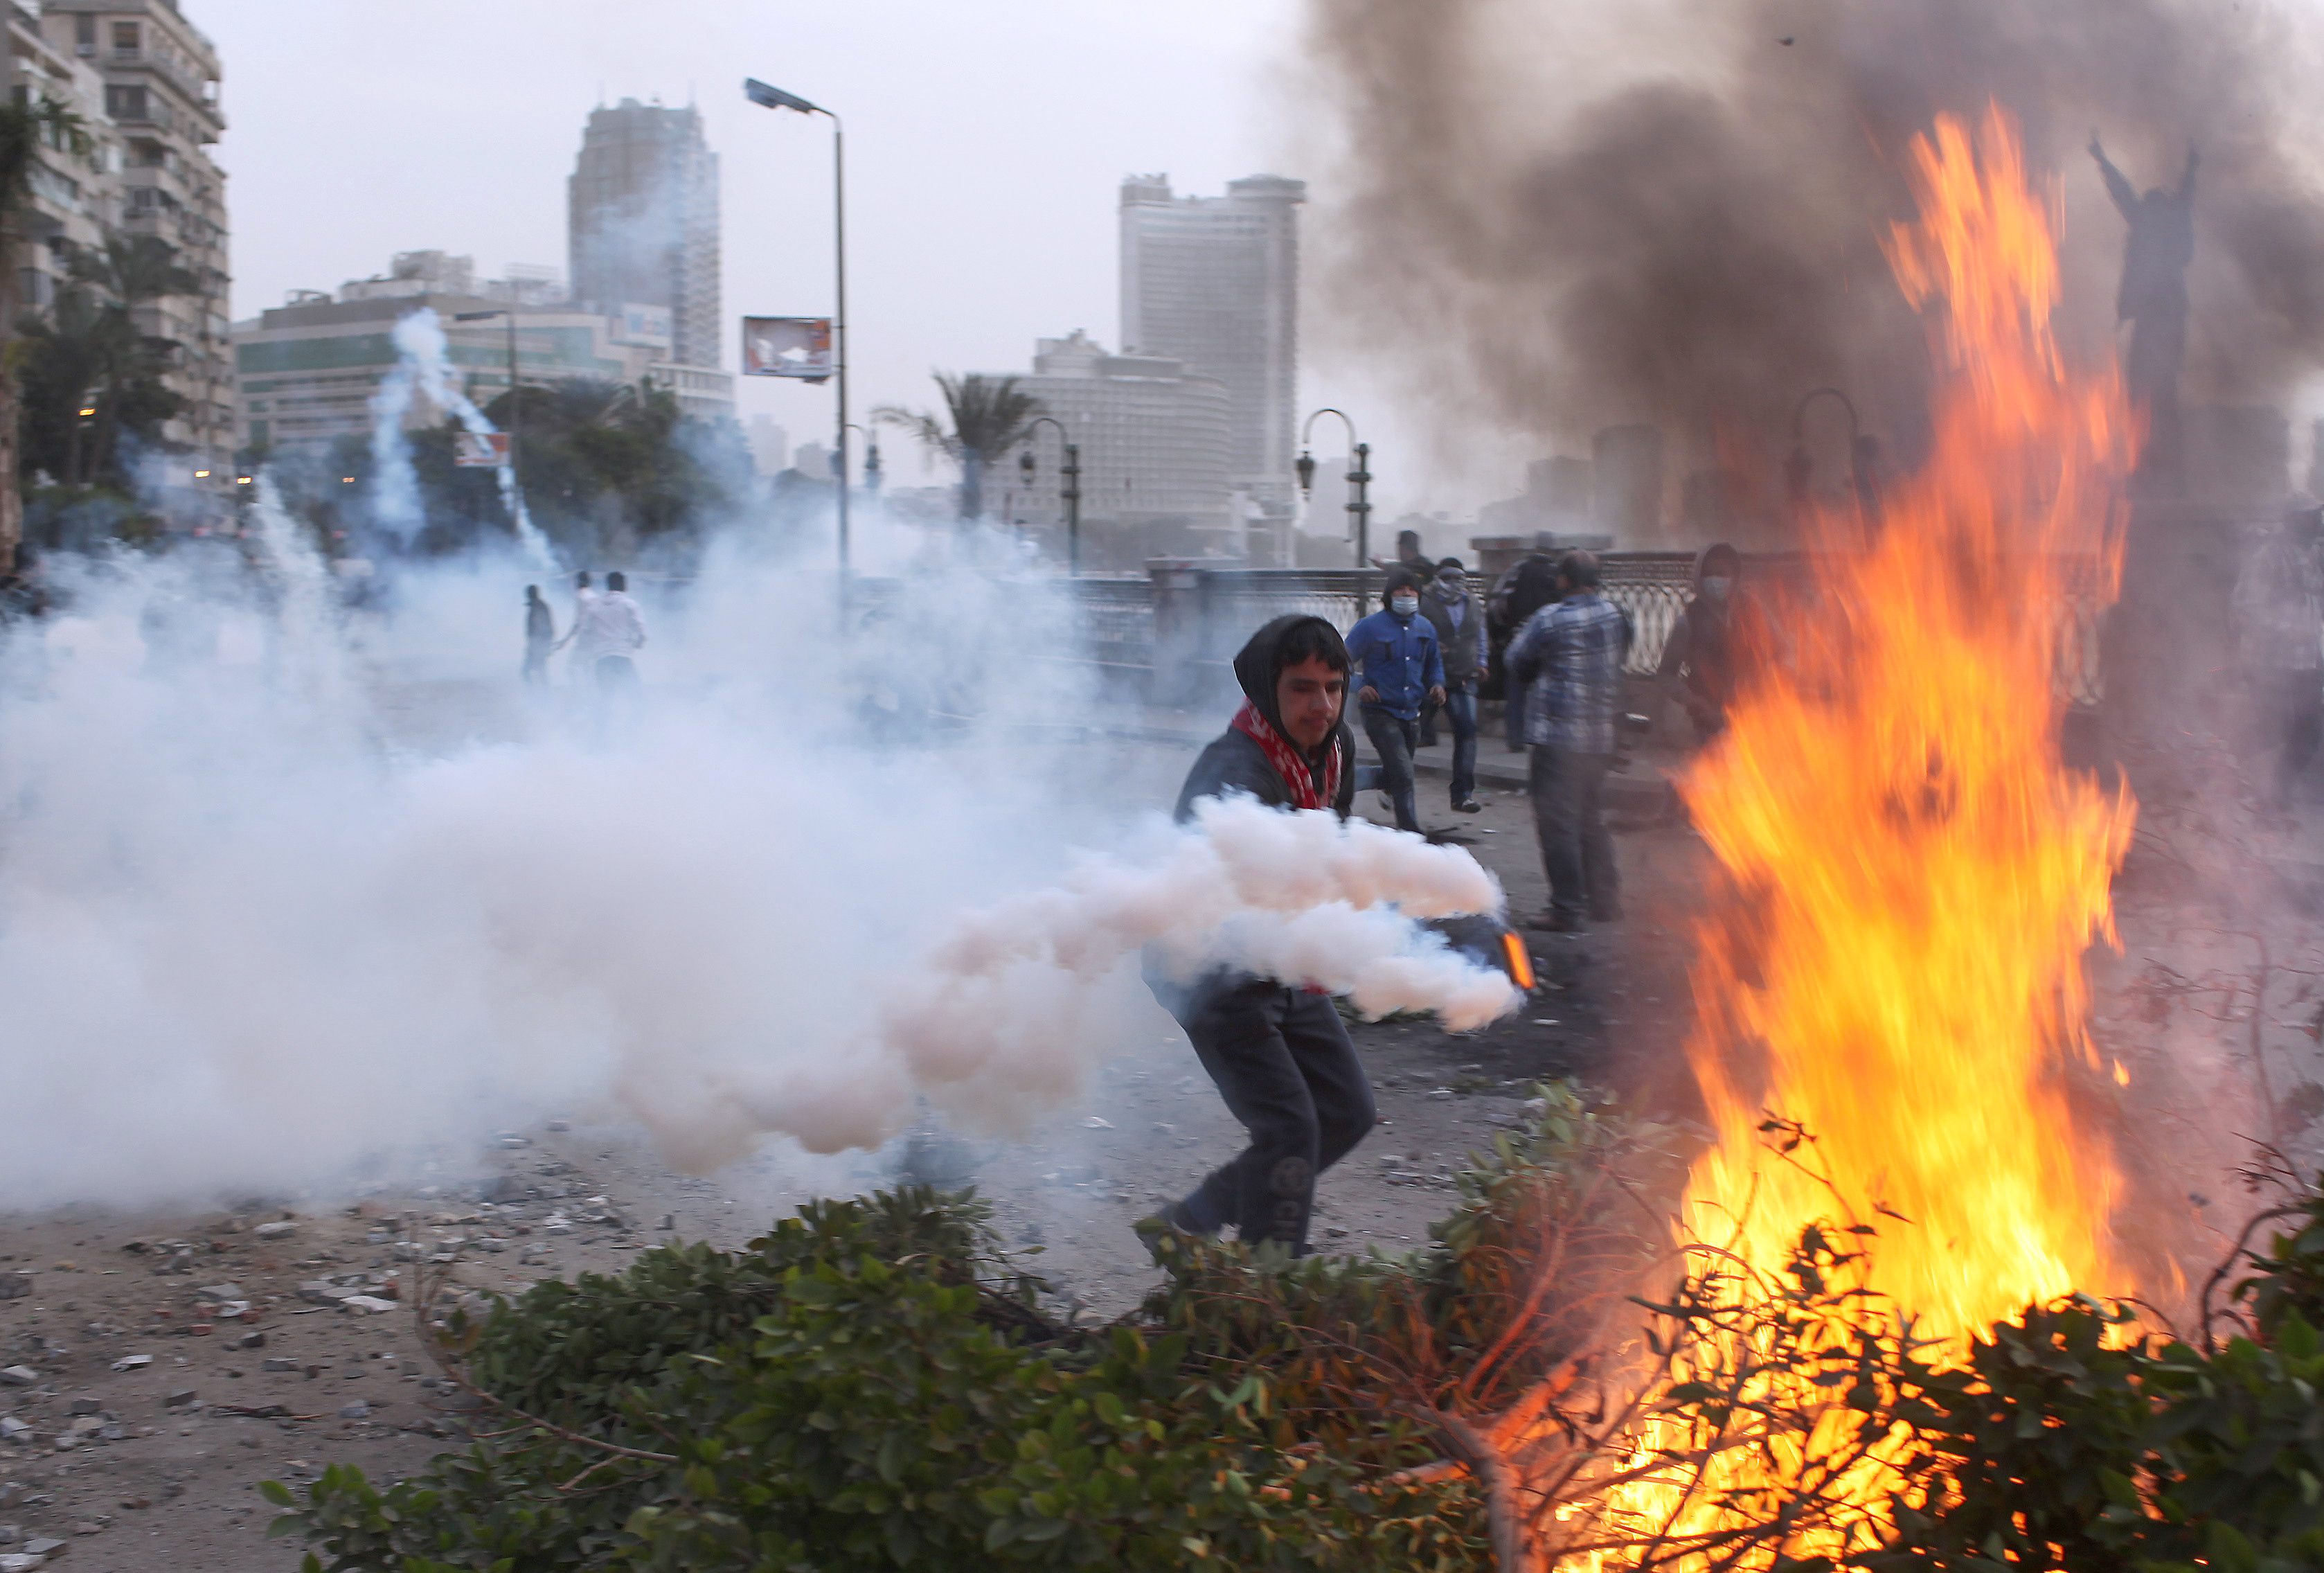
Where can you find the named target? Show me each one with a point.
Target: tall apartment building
(74, 199)
(1214, 281)
(642, 225)
(160, 86)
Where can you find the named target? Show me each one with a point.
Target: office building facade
(1156, 443)
(306, 371)
(1213, 281)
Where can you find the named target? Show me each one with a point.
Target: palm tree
(989, 416)
(25, 127)
(130, 271)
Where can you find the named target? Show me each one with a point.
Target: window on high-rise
(85, 32)
(124, 38)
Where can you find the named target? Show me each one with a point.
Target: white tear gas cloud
(423, 368)
(253, 936)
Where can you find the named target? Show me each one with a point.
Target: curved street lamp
(771, 98)
(1071, 492)
(1360, 506)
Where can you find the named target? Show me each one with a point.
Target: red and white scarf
(1297, 775)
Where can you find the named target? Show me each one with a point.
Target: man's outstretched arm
(2117, 184)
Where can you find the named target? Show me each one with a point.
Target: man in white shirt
(608, 631)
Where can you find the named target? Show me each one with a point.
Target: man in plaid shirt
(1569, 655)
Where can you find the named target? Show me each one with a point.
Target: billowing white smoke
(979, 1023)
(423, 365)
(253, 936)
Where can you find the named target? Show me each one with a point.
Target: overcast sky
(985, 146)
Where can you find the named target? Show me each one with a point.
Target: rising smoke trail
(423, 367)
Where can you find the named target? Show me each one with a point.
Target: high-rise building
(642, 226)
(162, 96)
(1214, 281)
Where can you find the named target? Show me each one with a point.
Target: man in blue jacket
(1401, 668)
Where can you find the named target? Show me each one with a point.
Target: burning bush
(870, 1385)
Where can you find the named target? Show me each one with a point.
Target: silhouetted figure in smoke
(539, 636)
(2153, 300)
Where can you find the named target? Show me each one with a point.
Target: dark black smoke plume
(1564, 217)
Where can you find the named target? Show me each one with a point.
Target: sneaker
(1555, 922)
(1468, 806)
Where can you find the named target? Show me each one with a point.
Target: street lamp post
(1071, 475)
(760, 93)
(1360, 506)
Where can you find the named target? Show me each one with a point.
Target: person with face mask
(1698, 664)
(1451, 609)
(1400, 668)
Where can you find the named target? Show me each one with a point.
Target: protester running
(1278, 1053)
(1401, 669)
(1459, 622)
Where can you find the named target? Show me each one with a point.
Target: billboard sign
(480, 450)
(787, 347)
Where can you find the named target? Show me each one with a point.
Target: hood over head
(1260, 662)
(1398, 579)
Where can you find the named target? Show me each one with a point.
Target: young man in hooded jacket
(1279, 1053)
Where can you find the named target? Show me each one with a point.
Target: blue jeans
(1461, 710)
(1394, 739)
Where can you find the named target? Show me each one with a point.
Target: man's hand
(1436, 695)
(1367, 695)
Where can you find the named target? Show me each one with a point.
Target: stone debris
(18, 1562)
(323, 1292)
(132, 1363)
(366, 1305)
(18, 1376)
(276, 1230)
(12, 1430)
(222, 1293)
(279, 1364)
(15, 1285)
(357, 1410)
(181, 1399)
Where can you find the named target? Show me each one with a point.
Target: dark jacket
(1464, 647)
(1234, 762)
(1531, 585)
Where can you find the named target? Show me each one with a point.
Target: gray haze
(1555, 220)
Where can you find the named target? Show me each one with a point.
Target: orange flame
(1915, 874)
(1921, 871)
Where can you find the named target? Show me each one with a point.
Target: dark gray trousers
(1282, 1060)
(1577, 852)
